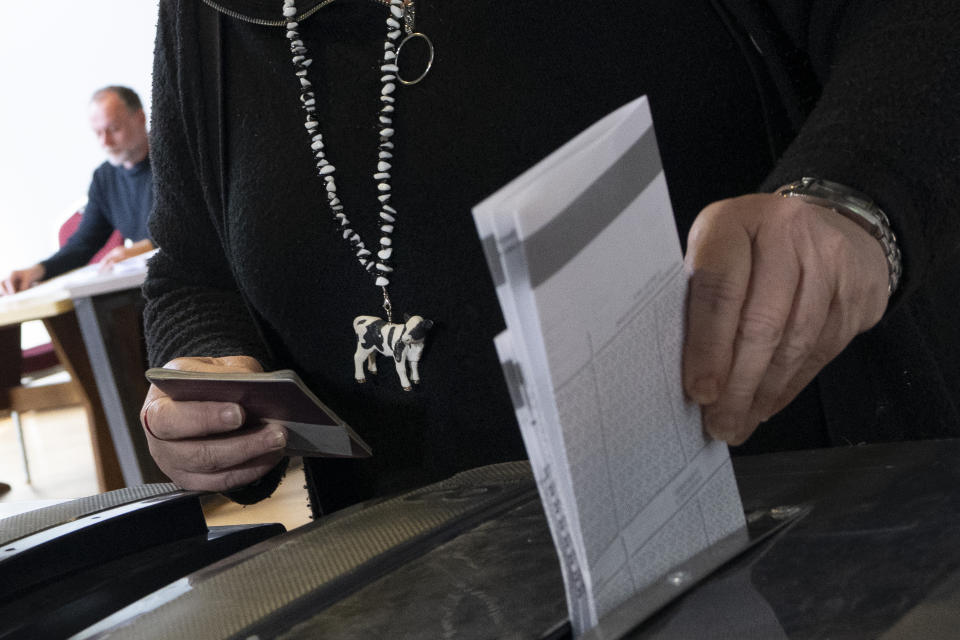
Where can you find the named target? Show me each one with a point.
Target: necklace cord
(379, 266)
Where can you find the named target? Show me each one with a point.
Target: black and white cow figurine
(402, 341)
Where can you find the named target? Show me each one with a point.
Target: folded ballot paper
(584, 252)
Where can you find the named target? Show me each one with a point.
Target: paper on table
(584, 252)
(85, 281)
(125, 274)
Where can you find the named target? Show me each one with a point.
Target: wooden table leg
(111, 325)
(68, 344)
(11, 358)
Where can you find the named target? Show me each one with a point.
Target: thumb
(719, 264)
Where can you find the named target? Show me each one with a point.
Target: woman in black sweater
(745, 98)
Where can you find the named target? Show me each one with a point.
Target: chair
(42, 361)
(69, 227)
(37, 360)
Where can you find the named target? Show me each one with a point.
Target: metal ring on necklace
(429, 60)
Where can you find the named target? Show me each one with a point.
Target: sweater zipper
(274, 23)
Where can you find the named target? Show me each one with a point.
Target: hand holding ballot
(779, 287)
(199, 444)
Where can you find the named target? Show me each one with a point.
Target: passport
(280, 397)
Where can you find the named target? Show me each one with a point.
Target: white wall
(53, 55)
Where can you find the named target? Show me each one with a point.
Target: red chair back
(68, 228)
(42, 356)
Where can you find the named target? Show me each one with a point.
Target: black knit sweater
(743, 98)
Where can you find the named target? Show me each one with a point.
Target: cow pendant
(403, 342)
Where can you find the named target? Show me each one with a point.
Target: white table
(105, 310)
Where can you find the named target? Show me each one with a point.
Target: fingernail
(230, 416)
(722, 427)
(704, 390)
(276, 439)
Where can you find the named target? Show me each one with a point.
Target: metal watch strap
(857, 207)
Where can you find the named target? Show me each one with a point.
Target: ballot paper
(585, 256)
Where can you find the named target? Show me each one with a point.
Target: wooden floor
(61, 467)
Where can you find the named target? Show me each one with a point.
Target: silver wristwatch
(856, 206)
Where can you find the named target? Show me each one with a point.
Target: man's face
(122, 133)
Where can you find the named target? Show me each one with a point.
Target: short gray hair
(127, 95)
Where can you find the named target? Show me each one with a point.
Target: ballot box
(857, 542)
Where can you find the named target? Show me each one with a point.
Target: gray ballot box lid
(868, 550)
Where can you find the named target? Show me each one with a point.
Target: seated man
(120, 194)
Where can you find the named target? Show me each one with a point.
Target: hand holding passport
(279, 397)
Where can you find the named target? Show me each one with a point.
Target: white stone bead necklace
(380, 267)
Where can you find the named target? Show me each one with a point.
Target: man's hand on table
(21, 279)
(197, 443)
(778, 288)
(118, 254)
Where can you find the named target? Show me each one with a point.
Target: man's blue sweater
(119, 199)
